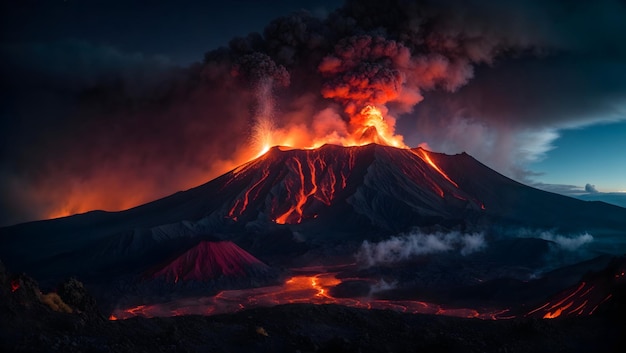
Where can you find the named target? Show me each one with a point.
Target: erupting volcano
(294, 208)
(351, 217)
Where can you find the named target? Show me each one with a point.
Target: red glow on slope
(305, 288)
(209, 260)
(15, 285)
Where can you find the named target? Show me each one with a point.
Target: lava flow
(312, 180)
(423, 154)
(301, 288)
(585, 298)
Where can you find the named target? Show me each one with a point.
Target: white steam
(264, 125)
(564, 242)
(567, 243)
(405, 246)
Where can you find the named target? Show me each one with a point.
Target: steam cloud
(568, 243)
(564, 242)
(404, 247)
(84, 125)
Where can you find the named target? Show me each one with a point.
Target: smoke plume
(406, 246)
(591, 189)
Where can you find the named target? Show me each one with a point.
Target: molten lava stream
(422, 154)
(302, 288)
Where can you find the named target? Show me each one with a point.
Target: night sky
(110, 104)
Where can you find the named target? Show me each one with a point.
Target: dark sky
(109, 104)
(180, 30)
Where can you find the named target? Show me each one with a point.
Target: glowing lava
(302, 182)
(584, 299)
(301, 288)
(423, 154)
(373, 128)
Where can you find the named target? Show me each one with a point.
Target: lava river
(303, 287)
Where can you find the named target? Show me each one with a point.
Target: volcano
(209, 261)
(309, 212)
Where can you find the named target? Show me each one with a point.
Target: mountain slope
(331, 192)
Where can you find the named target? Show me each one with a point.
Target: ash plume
(97, 128)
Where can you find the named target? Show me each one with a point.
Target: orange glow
(582, 300)
(308, 182)
(369, 125)
(300, 196)
(354, 127)
(244, 203)
(300, 288)
(426, 158)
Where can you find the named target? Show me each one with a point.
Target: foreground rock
(28, 324)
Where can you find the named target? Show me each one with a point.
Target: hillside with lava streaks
(593, 291)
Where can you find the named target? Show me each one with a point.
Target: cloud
(560, 188)
(406, 246)
(591, 189)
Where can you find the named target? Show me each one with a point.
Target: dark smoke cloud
(591, 189)
(496, 79)
(84, 130)
(572, 74)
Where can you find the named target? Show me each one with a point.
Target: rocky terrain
(34, 322)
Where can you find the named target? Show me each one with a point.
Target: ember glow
(301, 288)
(15, 285)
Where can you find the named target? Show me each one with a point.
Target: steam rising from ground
(564, 242)
(406, 246)
(568, 243)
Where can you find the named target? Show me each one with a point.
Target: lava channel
(301, 288)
